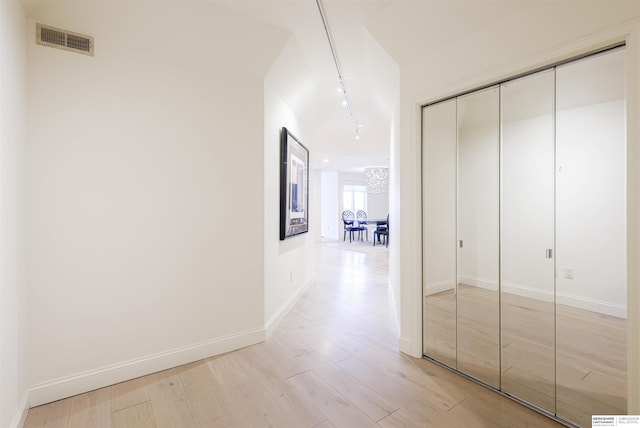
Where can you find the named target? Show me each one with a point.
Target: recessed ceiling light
(325, 160)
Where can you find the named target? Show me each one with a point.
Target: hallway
(333, 362)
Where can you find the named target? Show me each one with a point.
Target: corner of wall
(104, 376)
(14, 374)
(288, 265)
(277, 318)
(21, 415)
(409, 225)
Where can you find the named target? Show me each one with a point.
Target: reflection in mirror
(527, 232)
(478, 222)
(591, 259)
(439, 231)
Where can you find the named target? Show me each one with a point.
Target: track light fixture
(341, 88)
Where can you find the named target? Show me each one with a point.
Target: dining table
(373, 221)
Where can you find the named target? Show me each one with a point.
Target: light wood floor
(569, 361)
(333, 362)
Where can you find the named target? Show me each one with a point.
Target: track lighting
(346, 102)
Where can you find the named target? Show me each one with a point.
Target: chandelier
(377, 180)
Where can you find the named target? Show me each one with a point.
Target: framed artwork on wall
(294, 186)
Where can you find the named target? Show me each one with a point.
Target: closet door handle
(549, 253)
(460, 243)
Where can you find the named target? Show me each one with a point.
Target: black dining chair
(382, 230)
(361, 217)
(348, 220)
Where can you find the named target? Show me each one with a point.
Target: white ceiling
(432, 44)
(390, 48)
(370, 78)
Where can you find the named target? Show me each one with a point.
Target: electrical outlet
(568, 273)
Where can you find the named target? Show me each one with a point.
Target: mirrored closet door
(591, 306)
(524, 237)
(478, 234)
(527, 240)
(439, 233)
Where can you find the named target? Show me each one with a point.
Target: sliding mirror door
(478, 222)
(591, 305)
(439, 233)
(524, 245)
(527, 240)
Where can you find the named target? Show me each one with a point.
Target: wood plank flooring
(333, 362)
(566, 360)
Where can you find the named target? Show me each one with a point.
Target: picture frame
(294, 186)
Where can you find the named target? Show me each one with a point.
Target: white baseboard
(480, 283)
(395, 309)
(21, 416)
(407, 348)
(525, 291)
(277, 318)
(439, 287)
(594, 305)
(99, 378)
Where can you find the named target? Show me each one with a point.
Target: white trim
(406, 348)
(439, 287)
(525, 291)
(393, 305)
(109, 375)
(633, 219)
(21, 416)
(594, 305)
(566, 52)
(277, 318)
(487, 284)
(589, 304)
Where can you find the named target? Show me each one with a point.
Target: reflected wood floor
(564, 359)
(333, 362)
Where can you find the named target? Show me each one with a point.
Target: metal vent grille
(63, 39)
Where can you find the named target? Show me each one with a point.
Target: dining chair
(361, 217)
(348, 220)
(382, 230)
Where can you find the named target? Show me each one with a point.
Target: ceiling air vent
(63, 39)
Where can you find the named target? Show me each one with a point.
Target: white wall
(377, 205)
(478, 203)
(288, 264)
(591, 208)
(13, 291)
(331, 200)
(527, 217)
(146, 197)
(439, 175)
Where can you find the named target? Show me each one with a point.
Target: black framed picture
(294, 186)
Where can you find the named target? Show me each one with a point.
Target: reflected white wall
(527, 207)
(478, 206)
(439, 197)
(591, 208)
